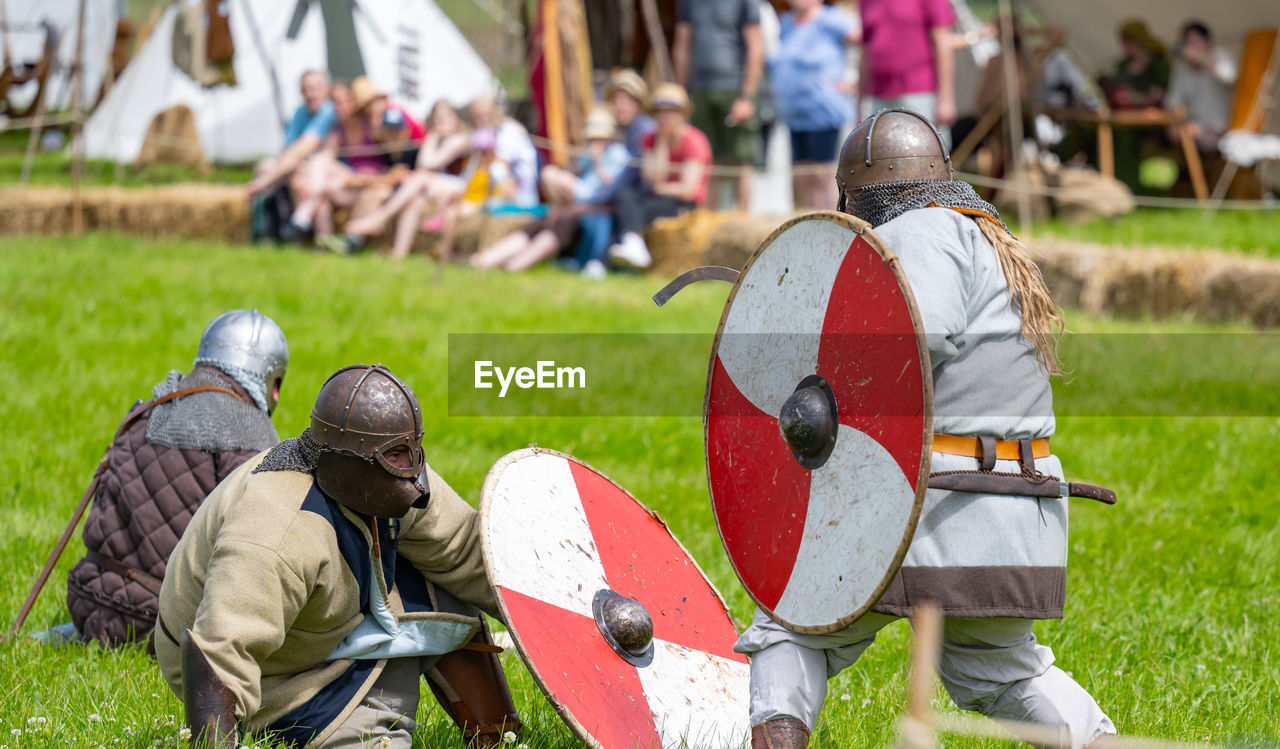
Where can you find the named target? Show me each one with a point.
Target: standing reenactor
(991, 557)
(325, 578)
(168, 454)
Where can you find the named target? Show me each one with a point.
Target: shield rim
(486, 490)
(863, 230)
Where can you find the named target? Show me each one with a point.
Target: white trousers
(991, 666)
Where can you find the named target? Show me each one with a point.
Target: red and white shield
(557, 533)
(817, 545)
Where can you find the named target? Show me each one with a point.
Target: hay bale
(1212, 286)
(677, 243)
(216, 212)
(1087, 194)
(172, 139)
(475, 232)
(735, 241)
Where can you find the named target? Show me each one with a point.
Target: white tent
(1093, 25)
(408, 48)
(26, 41)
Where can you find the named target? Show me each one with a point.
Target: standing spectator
(808, 75)
(572, 196)
(675, 172)
(907, 58)
(1202, 84)
(718, 55)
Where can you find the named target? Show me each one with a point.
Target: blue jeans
(594, 230)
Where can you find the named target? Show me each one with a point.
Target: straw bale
(1214, 286)
(195, 211)
(735, 241)
(677, 243)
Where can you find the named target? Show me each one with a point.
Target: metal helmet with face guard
(251, 348)
(891, 146)
(368, 424)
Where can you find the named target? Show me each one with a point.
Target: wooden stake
(657, 40)
(553, 77)
(917, 729)
(77, 156)
(1013, 99)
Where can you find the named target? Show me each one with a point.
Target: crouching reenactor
(324, 578)
(168, 454)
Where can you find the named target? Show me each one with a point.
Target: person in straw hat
(675, 171)
(572, 196)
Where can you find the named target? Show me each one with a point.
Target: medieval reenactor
(322, 580)
(989, 549)
(167, 455)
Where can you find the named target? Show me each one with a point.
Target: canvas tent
(23, 42)
(409, 49)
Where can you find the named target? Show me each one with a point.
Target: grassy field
(1173, 598)
(1250, 232)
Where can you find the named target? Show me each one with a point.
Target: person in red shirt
(675, 171)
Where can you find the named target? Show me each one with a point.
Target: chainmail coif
(210, 421)
(301, 454)
(878, 204)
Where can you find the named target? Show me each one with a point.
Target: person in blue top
(628, 97)
(303, 136)
(813, 99)
(573, 196)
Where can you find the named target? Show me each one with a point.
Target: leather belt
(974, 447)
(146, 580)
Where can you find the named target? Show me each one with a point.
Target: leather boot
(471, 687)
(211, 707)
(780, 733)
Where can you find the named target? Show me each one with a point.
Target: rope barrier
(720, 170)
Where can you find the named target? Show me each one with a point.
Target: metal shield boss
(818, 417)
(618, 625)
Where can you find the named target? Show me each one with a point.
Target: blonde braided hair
(1041, 318)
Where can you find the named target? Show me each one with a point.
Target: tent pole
(553, 77)
(657, 41)
(1262, 104)
(77, 157)
(1013, 99)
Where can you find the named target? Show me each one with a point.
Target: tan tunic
(261, 581)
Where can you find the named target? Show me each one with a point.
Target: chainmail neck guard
(209, 421)
(878, 204)
(301, 454)
(254, 382)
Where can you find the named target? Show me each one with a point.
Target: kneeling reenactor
(325, 577)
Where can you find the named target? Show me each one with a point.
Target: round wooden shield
(816, 540)
(559, 538)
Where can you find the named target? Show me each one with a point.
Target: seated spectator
(1202, 85)
(1142, 75)
(303, 136)
(675, 171)
(628, 96)
(392, 125)
(509, 144)
(807, 73)
(586, 190)
(349, 161)
(432, 186)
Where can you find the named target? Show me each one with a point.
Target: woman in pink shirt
(907, 58)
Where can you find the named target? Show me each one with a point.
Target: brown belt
(979, 447)
(148, 581)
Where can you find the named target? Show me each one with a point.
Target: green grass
(54, 168)
(1249, 232)
(1173, 594)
